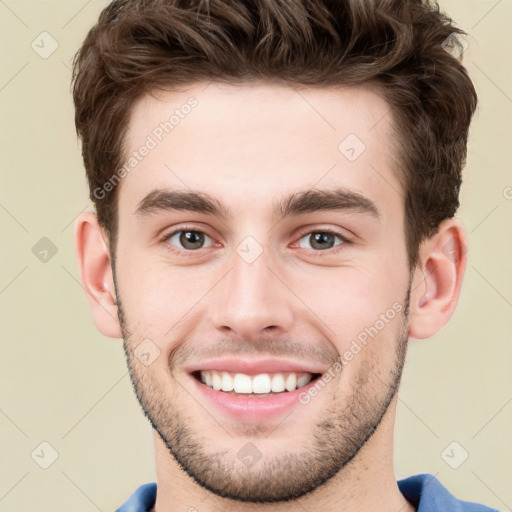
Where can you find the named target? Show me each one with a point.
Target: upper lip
(255, 367)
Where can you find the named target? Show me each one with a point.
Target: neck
(367, 483)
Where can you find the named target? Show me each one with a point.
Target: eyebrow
(308, 201)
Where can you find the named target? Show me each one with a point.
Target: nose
(252, 301)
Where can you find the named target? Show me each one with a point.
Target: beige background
(65, 384)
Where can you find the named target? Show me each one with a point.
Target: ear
(437, 279)
(94, 267)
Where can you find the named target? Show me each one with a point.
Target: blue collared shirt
(424, 491)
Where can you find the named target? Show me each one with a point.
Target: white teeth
(216, 381)
(242, 383)
(278, 383)
(303, 380)
(259, 384)
(291, 382)
(227, 382)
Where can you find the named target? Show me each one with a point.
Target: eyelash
(334, 250)
(180, 252)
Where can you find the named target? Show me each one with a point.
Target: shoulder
(428, 494)
(141, 500)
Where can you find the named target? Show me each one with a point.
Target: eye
(321, 240)
(188, 239)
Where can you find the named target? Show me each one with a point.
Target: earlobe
(438, 279)
(95, 270)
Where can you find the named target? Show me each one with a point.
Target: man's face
(257, 285)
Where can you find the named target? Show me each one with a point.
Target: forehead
(247, 142)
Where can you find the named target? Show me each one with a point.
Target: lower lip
(253, 409)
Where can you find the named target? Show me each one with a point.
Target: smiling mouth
(303, 380)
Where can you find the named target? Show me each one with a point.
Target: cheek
(163, 306)
(360, 312)
(154, 292)
(350, 300)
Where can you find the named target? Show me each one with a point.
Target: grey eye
(320, 240)
(189, 239)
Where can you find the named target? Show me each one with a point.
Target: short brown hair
(138, 46)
